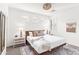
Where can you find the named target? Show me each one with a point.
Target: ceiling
(37, 7)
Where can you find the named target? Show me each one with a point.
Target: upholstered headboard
(35, 32)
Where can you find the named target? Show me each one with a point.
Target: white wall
(31, 22)
(4, 9)
(60, 18)
(64, 16)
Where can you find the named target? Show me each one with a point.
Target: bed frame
(46, 52)
(35, 52)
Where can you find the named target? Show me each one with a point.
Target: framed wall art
(71, 27)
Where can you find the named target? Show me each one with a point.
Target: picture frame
(71, 27)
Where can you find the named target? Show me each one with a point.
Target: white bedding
(54, 40)
(45, 43)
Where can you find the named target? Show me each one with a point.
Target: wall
(64, 16)
(26, 20)
(59, 18)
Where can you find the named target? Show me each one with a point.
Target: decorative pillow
(34, 33)
(30, 34)
(37, 33)
(40, 33)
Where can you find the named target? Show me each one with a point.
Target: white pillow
(30, 34)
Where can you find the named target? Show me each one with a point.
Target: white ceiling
(37, 7)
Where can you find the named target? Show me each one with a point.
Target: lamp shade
(21, 32)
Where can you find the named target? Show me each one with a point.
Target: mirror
(2, 32)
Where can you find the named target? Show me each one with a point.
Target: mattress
(54, 40)
(45, 43)
(40, 45)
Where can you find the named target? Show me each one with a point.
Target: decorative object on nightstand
(21, 32)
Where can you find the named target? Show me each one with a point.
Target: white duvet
(45, 43)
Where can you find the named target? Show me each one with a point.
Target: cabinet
(19, 40)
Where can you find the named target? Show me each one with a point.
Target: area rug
(64, 50)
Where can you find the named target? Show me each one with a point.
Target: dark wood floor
(28, 50)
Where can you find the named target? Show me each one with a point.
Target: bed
(45, 42)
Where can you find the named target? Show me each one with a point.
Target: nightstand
(19, 40)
